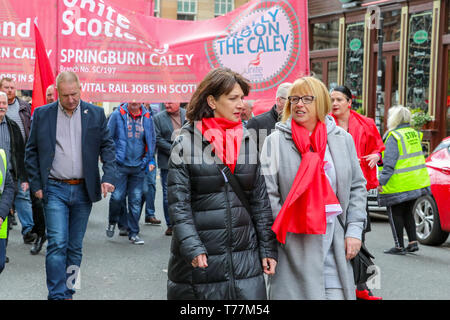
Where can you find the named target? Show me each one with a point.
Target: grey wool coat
(300, 270)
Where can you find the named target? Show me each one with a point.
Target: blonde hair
(398, 115)
(310, 86)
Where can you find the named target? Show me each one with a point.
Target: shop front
(345, 42)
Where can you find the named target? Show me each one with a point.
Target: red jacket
(367, 141)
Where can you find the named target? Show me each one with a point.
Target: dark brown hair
(216, 83)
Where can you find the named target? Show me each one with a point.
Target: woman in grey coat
(314, 265)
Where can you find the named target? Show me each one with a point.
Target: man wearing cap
(262, 125)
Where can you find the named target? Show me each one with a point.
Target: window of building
(222, 7)
(316, 68)
(354, 62)
(332, 74)
(157, 8)
(187, 9)
(448, 16)
(391, 25)
(325, 35)
(418, 69)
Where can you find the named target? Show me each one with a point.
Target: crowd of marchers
(272, 206)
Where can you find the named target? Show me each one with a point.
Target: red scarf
(367, 141)
(223, 134)
(304, 210)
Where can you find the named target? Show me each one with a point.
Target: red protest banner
(120, 54)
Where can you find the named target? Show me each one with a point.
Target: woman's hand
(269, 265)
(200, 261)
(352, 246)
(372, 159)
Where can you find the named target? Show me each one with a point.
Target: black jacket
(262, 125)
(17, 151)
(209, 218)
(164, 139)
(7, 197)
(25, 116)
(96, 143)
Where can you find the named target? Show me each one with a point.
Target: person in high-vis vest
(7, 190)
(403, 179)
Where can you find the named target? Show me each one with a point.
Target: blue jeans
(148, 193)
(2, 254)
(22, 202)
(123, 216)
(129, 183)
(67, 211)
(164, 173)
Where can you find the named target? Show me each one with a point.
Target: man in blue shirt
(131, 127)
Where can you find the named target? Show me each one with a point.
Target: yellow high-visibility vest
(410, 172)
(3, 168)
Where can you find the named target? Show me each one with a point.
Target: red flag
(152, 8)
(43, 74)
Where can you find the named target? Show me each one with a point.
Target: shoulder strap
(234, 182)
(236, 185)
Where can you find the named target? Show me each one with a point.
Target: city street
(114, 269)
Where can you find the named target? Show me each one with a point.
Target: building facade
(194, 9)
(415, 48)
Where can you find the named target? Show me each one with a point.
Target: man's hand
(1, 221)
(24, 186)
(107, 187)
(151, 167)
(352, 247)
(380, 188)
(38, 194)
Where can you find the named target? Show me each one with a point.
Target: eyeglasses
(305, 99)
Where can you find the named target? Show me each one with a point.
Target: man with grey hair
(67, 139)
(262, 125)
(247, 111)
(50, 94)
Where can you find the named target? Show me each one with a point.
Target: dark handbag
(361, 262)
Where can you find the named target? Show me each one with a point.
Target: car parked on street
(431, 212)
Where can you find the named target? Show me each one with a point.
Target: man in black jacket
(262, 125)
(19, 112)
(7, 194)
(166, 123)
(6, 200)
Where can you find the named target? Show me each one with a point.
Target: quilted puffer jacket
(209, 218)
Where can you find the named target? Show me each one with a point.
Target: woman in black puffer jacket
(219, 250)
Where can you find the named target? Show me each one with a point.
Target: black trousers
(401, 217)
